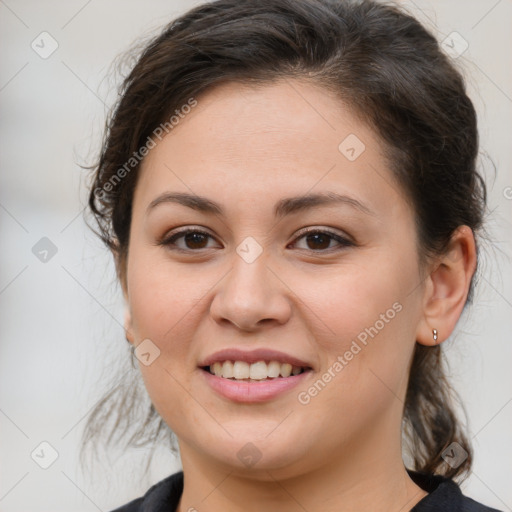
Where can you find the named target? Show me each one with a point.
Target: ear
(120, 264)
(447, 287)
(128, 326)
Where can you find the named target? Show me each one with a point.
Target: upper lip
(252, 356)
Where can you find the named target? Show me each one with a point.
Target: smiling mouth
(255, 372)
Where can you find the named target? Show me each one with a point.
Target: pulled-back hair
(390, 71)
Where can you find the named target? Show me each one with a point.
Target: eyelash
(169, 241)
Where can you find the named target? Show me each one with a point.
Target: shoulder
(163, 496)
(444, 495)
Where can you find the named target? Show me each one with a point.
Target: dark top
(444, 496)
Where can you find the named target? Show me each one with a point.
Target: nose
(251, 296)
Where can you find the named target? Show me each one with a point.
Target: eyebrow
(283, 207)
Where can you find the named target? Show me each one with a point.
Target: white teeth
(273, 369)
(217, 369)
(286, 370)
(258, 371)
(240, 370)
(227, 370)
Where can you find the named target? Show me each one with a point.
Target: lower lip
(242, 391)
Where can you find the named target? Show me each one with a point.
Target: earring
(434, 335)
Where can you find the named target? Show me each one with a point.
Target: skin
(247, 148)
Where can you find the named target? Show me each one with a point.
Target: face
(255, 273)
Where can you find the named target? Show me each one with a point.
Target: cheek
(162, 295)
(357, 301)
(164, 305)
(365, 319)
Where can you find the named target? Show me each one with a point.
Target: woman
(289, 191)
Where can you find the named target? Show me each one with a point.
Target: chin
(260, 458)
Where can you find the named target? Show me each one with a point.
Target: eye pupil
(322, 237)
(194, 238)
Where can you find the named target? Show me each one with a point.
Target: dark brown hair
(382, 63)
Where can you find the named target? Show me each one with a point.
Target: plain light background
(61, 319)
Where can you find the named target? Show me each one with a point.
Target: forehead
(259, 143)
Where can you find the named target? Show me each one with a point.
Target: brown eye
(320, 241)
(316, 241)
(193, 239)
